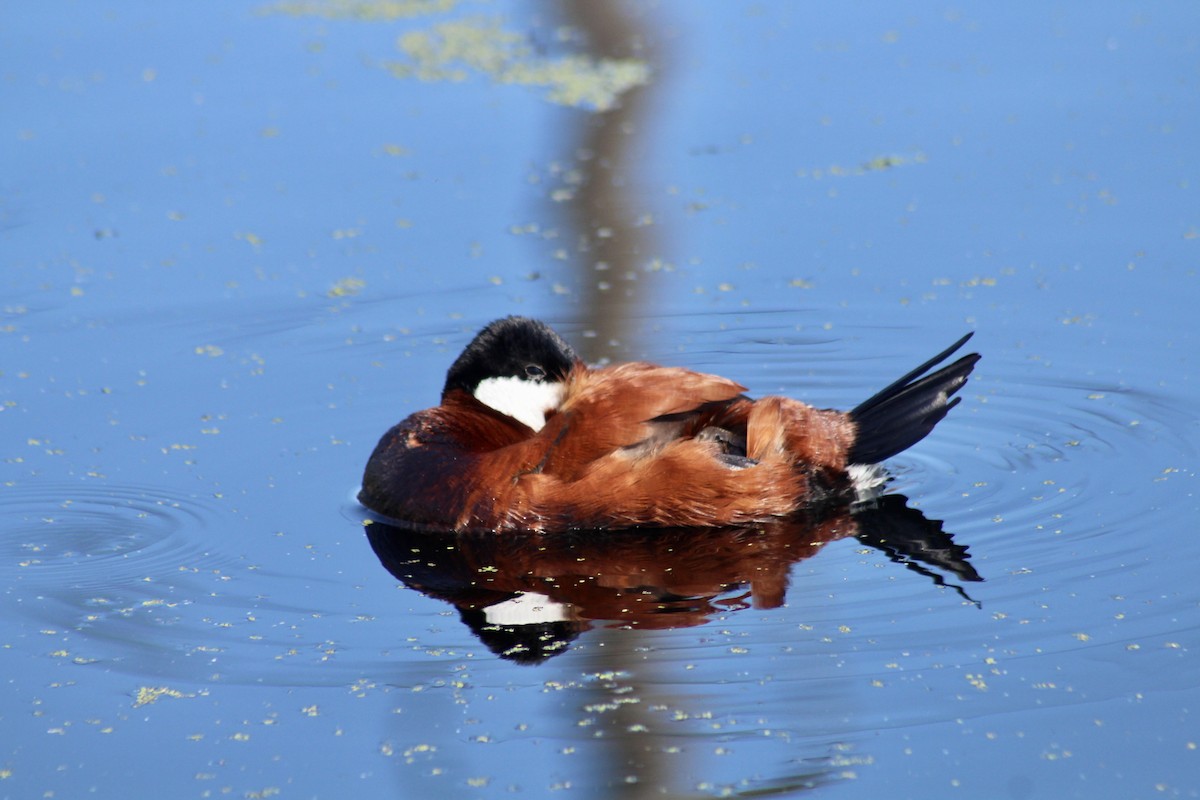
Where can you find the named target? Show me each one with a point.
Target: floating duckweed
(346, 287)
(150, 694)
(374, 10)
(454, 51)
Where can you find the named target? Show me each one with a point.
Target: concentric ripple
(106, 570)
(1034, 477)
(141, 580)
(1038, 479)
(83, 536)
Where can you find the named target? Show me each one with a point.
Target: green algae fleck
(370, 10)
(459, 49)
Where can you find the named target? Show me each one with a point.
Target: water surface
(242, 240)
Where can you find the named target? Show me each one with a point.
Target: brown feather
(614, 408)
(630, 445)
(428, 469)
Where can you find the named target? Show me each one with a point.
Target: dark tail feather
(906, 411)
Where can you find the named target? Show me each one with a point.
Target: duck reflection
(528, 596)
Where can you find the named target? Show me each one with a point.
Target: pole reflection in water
(607, 215)
(531, 597)
(614, 245)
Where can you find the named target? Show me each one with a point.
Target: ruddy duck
(528, 437)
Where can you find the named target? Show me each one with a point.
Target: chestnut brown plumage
(630, 445)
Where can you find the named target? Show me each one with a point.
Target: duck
(527, 437)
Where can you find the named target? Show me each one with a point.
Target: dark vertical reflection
(612, 245)
(613, 233)
(605, 216)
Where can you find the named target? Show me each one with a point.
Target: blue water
(242, 240)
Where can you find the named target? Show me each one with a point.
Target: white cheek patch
(524, 401)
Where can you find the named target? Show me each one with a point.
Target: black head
(516, 365)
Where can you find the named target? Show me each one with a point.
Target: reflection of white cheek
(525, 401)
(526, 609)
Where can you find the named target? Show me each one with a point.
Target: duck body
(528, 437)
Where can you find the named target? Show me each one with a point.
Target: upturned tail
(906, 411)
